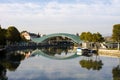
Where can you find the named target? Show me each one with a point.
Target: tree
(2, 36)
(12, 34)
(116, 34)
(89, 37)
(97, 38)
(86, 36)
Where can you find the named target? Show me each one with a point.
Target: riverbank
(109, 53)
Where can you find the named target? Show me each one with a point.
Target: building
(25, 35)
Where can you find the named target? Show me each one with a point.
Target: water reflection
(3, 73)
(116, 72)
(91, 64)
(59, 53)
(10, 62)
(52, 51)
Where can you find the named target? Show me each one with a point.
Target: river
(56, 64)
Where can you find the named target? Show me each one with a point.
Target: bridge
(74, 38)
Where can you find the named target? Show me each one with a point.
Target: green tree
(97, 37)
(13, 34)
(89, 36)
(82, 36)
(2, 36)
(116, 34)
(86, 36)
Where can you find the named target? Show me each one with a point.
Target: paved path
(109, 53)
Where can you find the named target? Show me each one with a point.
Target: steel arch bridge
(76, 39)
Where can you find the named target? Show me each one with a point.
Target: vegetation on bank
(116, 34)
(12, 35)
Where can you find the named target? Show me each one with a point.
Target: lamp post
(119, 41)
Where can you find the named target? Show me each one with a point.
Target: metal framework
(76, 39)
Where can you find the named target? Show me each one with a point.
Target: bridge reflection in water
(55, 53)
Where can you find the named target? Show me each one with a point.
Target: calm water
(57, 64)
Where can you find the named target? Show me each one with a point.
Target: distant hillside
(108, 38)
(107, 34)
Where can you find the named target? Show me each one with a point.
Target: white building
(25, 35)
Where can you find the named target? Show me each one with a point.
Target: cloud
(55, 8)
(62, 14)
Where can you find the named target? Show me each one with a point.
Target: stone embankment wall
(109, 53)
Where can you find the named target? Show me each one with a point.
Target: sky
(60, 16)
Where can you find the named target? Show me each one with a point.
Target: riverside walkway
(109, 53)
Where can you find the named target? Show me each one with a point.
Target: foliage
(97, 37)
(116, 33)
(88, 36)
(116, 73)
(9, 35)
(13, 34)
(90, 64)
(2, 36)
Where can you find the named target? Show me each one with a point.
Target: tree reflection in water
(116, 72)
(3, 73)
(9, 61)
(91, 64)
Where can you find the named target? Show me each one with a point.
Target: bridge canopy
(76, 39)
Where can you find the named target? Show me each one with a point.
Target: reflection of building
(27, 54)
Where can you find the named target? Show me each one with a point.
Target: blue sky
(53, 16)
